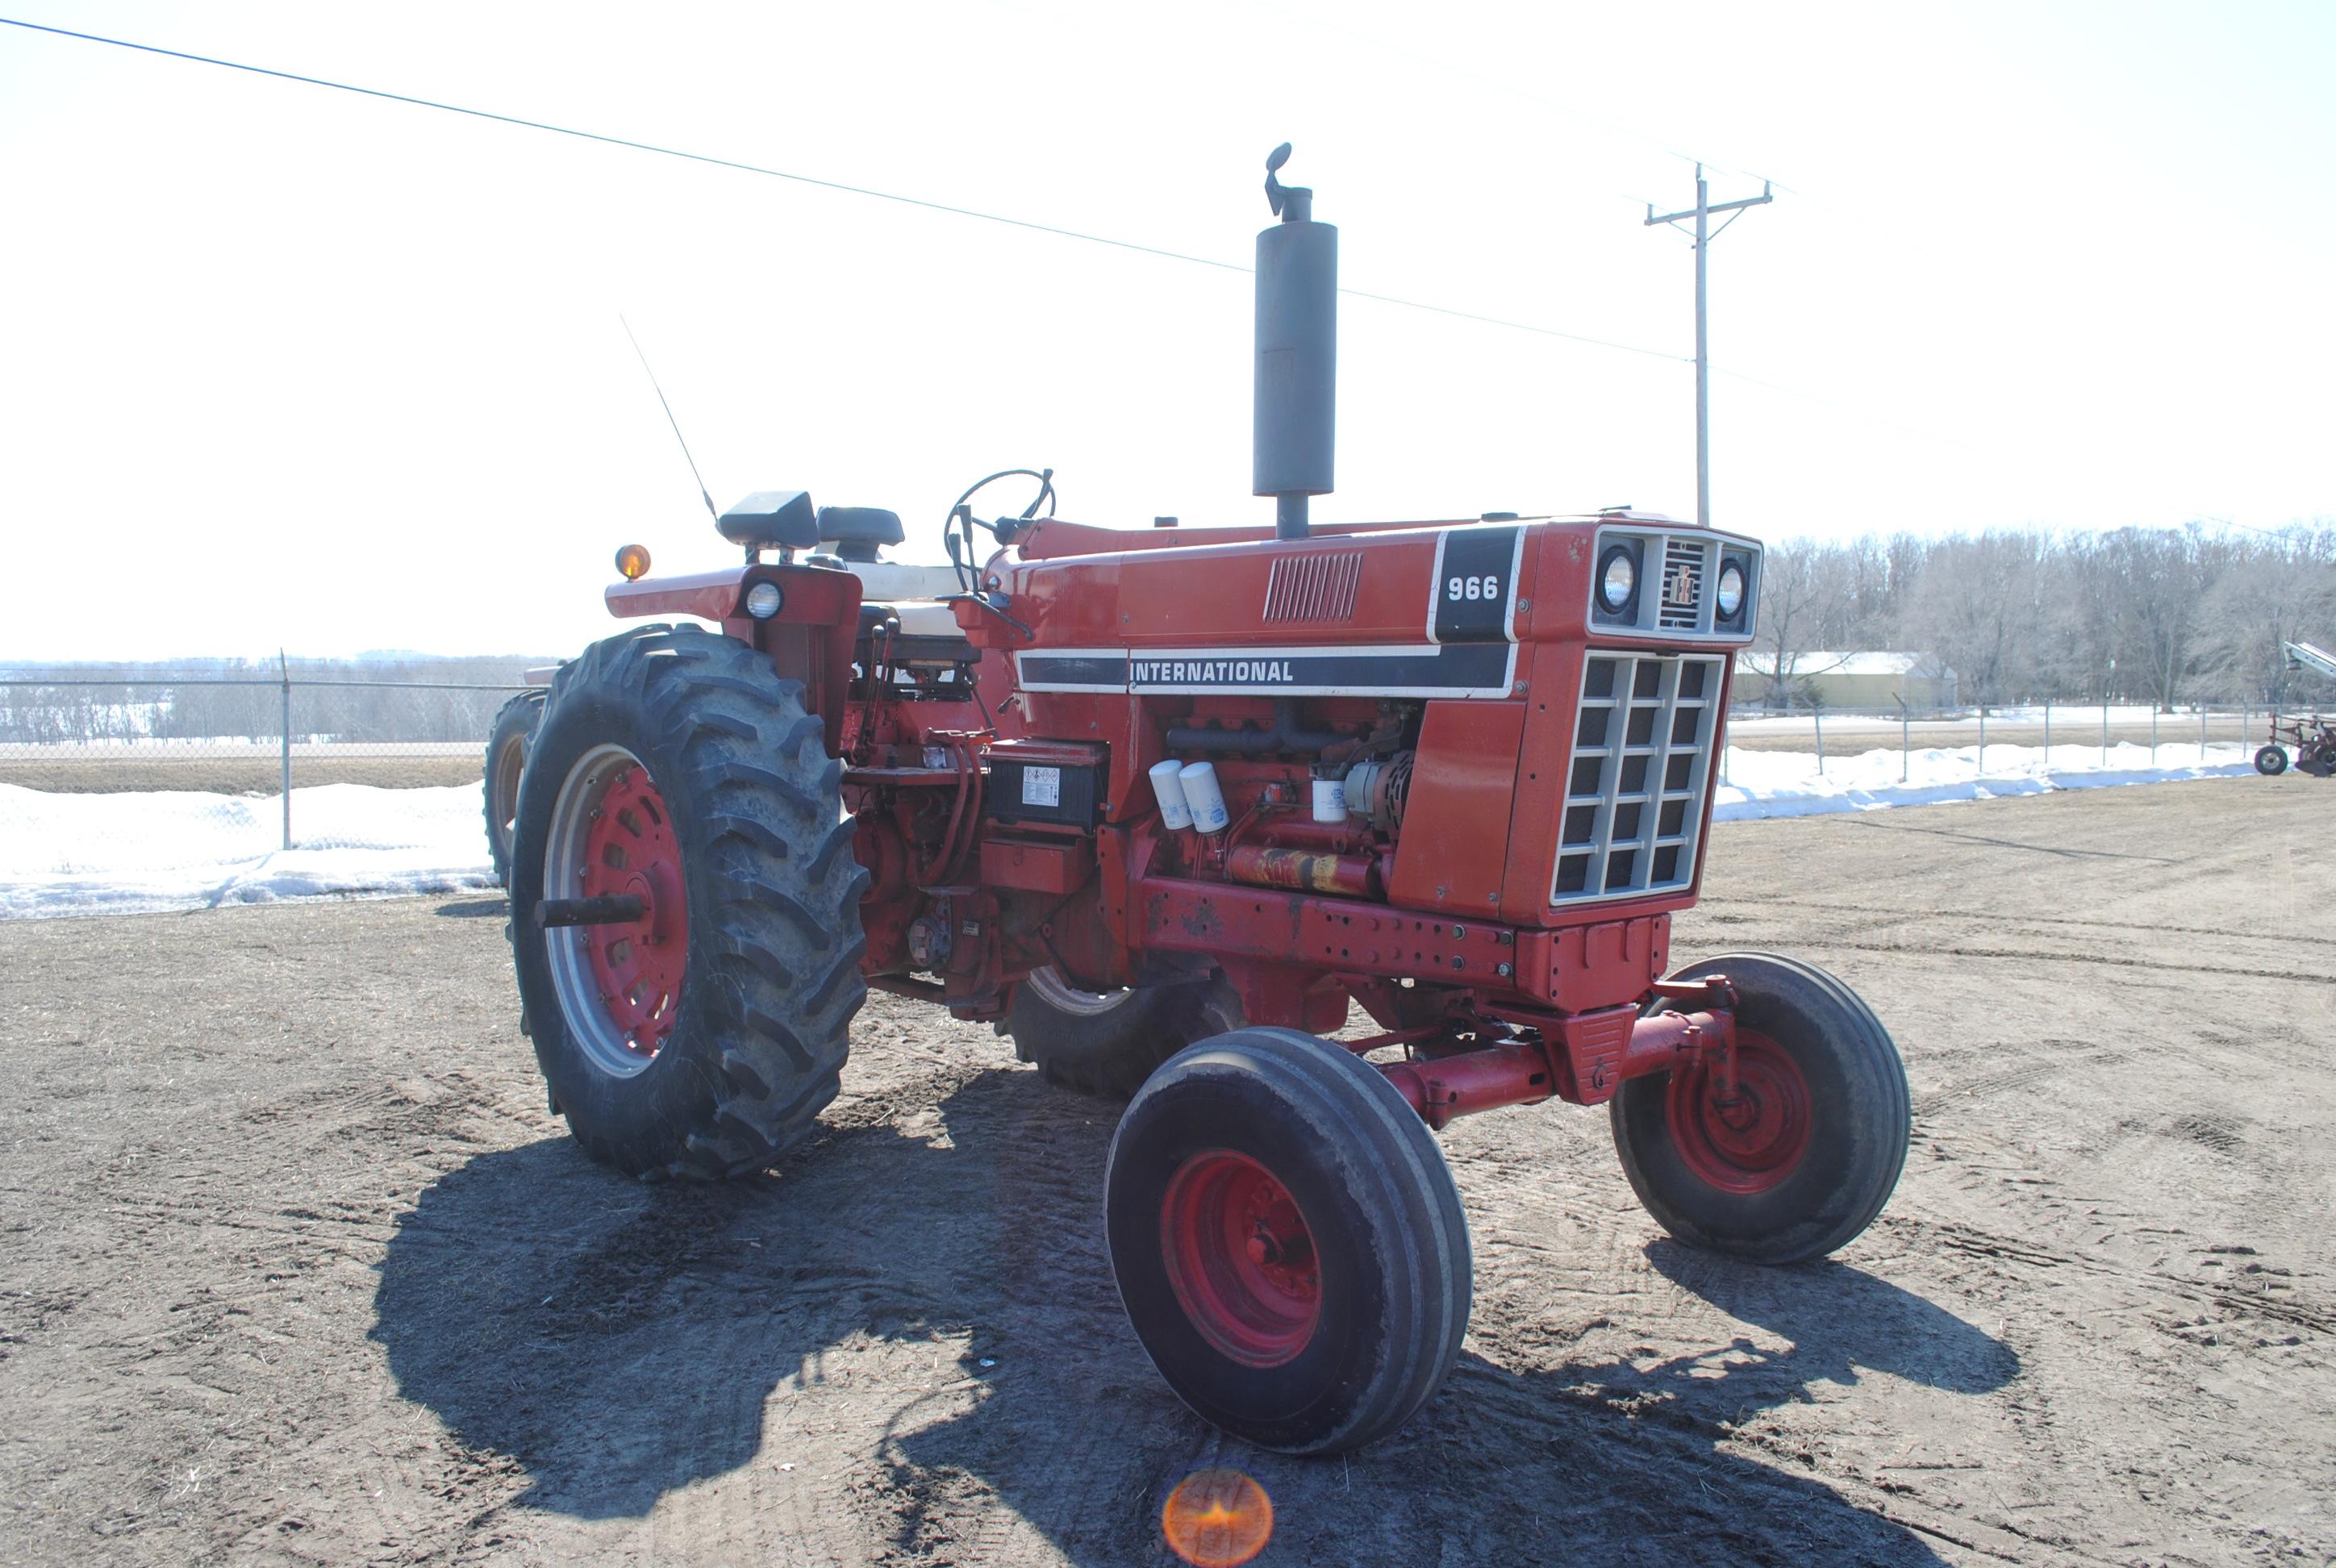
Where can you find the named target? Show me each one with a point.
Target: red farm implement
(2308, 740)
(1165, 804)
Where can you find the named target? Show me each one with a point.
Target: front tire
(1805, 1156)
(2271, 761)
(507, 744)
(1287, 1240)
(674, 766)
(1106, 1043)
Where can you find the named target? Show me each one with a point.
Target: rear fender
(808, 640)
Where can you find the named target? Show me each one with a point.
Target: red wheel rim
(1752, 1140)
(630, 847)
(1240, 1258)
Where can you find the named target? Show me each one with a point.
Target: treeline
(2195, 614)
(402, 700)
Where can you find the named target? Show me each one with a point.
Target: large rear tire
(1287, 1240)
(507, 744)
(1805, 1156)
(1107, 1043)
(674, 766)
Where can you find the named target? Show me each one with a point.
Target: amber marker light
(1217, 1519)
(633, 561)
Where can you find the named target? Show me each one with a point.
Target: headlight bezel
(1730, 568)
(1622, 553)
(763, 600)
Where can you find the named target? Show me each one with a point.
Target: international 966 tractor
(1169, 806)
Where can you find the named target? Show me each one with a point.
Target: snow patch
(1787, 784)
(184, 849)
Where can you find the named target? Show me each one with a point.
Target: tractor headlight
(763, 600)
(1618, 580)
(1729, 597)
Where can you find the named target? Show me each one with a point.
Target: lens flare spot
(1217, 1519)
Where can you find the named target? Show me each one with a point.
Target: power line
(836, 185)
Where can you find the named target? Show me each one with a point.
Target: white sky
(283, 366)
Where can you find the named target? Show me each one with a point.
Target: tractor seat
(856, 532)
(774, 519)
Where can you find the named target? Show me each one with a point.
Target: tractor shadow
(1623, 1461)
(622, 1339)
(924, 1304)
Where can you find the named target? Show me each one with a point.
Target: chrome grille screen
(1635, 788)
(1682, 587)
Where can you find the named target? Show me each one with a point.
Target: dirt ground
(295, 1269)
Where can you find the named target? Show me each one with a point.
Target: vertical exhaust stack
(1297, 352)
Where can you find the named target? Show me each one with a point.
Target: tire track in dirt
(2026, 918)
(2302, 1312)
(2021, 1076)
(2016, 955)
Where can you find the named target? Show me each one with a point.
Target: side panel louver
(1313, 588)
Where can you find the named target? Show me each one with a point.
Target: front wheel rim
(1750, 1140)
(1065, 998)
(1240, 1258)
(618, 986)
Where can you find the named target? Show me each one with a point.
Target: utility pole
(1704, 235)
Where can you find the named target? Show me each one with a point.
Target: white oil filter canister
(1202, 795)
(1330, 800)
(1168, 789)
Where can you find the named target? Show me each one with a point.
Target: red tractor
(2310, 737)
(1166, 805)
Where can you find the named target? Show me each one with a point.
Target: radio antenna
(669, 419)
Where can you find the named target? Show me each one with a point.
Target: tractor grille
(1682, 588)
(1634, 794)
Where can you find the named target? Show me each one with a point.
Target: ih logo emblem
(1679, 589)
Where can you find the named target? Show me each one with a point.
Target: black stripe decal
(1085, 670)
(1476, 668)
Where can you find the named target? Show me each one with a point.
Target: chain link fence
(149, 792)
(128, 793)
(2103, 733)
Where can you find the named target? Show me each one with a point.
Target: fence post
(284, 672)
(1818, 714)
(1982, 740)
(2153, 734)
(2105, 732)
(1905, 739)
(2048, 732)
(2202, 735)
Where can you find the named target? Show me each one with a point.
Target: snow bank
(183, 849)
(1787, 784)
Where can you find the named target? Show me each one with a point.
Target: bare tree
(2274, 589)
(2161, 578)
(1806, 588)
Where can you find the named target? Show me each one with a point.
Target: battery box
(1059, 783)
